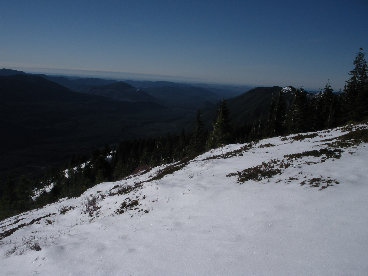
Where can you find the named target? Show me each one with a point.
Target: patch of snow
(199, 221)
(66, 173)
(286, 89)
(45, 189)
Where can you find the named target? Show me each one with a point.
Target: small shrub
(65, 209)
(91, 207)
(257, 173)
(118, 190)
(35, 246)
(127, 204)
(11, 251)
(327, 153)
(169, 170)
(319, 182)
(230, 154)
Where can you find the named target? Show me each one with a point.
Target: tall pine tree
(198, 139)
(221, 132)
(356, 89)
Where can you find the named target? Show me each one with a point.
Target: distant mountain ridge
(121, 91)
(78, 84)
(10, 72)
(181, 96)
(170, 94)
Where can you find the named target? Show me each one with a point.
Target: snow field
(198, 221)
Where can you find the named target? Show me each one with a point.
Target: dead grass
(319, 182)
(63, 210)
(265, 170)
(234, 153)
(128, 204)
(325, 153)
(91, 206)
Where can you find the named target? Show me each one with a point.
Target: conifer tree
(297, 114)
(221, 132)
(328, 106)
(355, 88)
(358, 75)
(197, 142)
(277, 115)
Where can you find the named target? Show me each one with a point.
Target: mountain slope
(302, 211)
(43, 122)
(249, 107)
(252, 105)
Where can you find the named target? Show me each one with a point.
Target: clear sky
(301, 43)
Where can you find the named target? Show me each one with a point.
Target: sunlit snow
(199, 221)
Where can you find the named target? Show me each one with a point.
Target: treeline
(295, 110)
(291, 111)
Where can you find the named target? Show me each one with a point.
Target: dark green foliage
(356, 103)
(297, 116)
(277, 115)
(323, 109)
(198, 139)
(221, 132)
(358, 75)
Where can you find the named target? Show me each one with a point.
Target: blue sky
(302, 43)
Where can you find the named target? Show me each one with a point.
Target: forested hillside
(289, 110)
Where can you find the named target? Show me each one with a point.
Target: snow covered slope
(293, 205)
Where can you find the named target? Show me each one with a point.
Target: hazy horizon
(126, 76)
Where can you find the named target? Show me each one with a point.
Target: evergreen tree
(297, 114)
(328, 107)
(358, 75)
(197, 142)
(276, 121)
(355, 95)
(221, 132)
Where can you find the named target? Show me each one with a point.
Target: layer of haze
(302, 43)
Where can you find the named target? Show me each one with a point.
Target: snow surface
(44, 189)
(81, 166)
(287, 89)
(198, 221)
